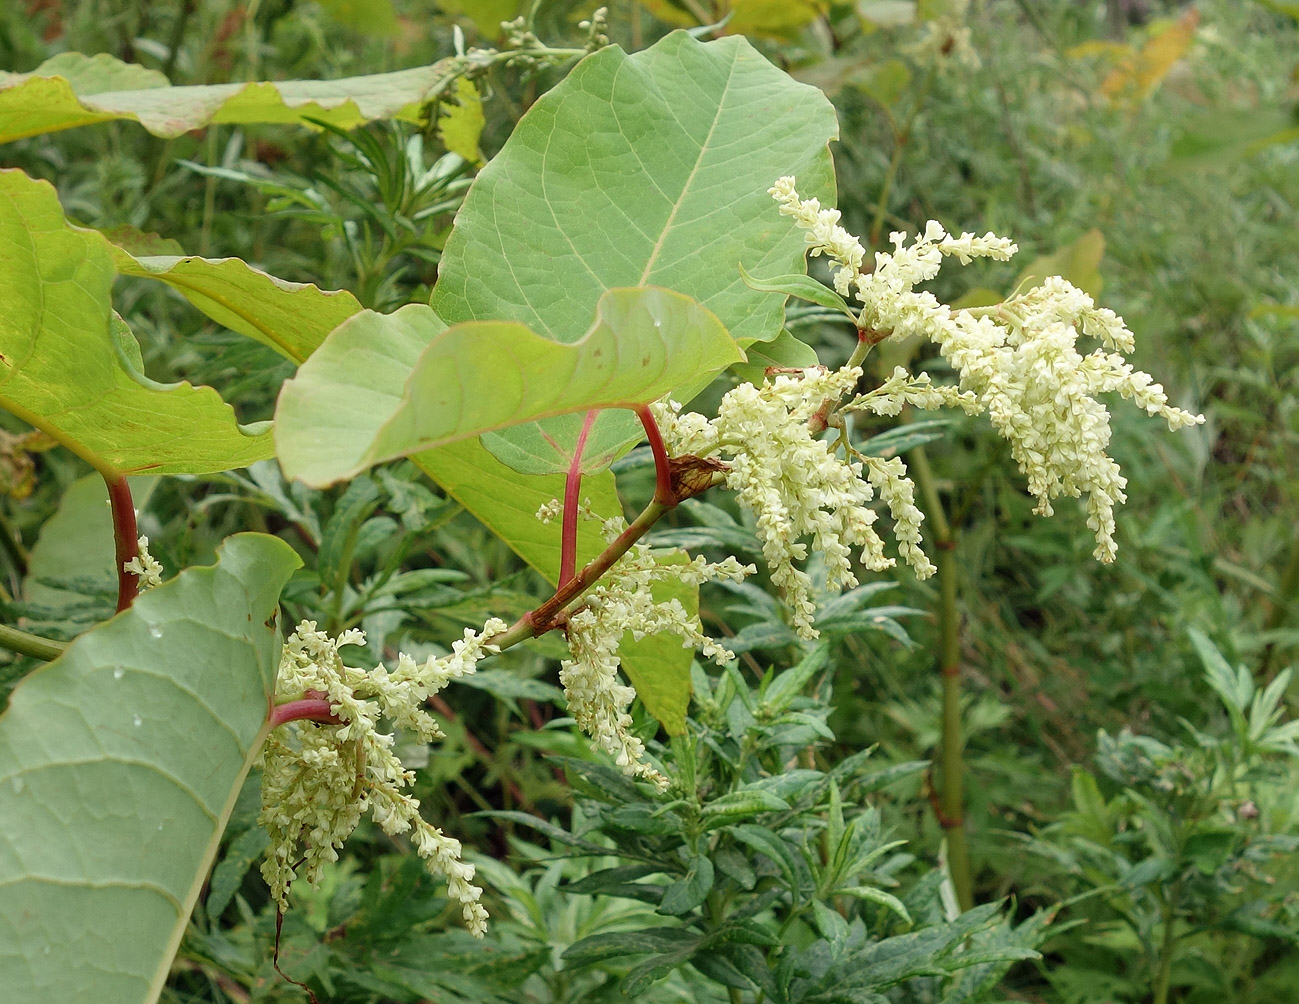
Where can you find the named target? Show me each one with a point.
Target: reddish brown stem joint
(126, 539)
(312, 707)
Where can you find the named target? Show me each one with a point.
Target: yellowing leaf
(70, 367)
(1079, 262)
(74, 90)
(1139, 74)
(461, 122)
(778, 19)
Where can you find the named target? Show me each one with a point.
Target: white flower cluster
(1018, 362)
(145, 567)
(945, 40)
(795, 484)
(623, 602)
(320, 778)
(824, 234)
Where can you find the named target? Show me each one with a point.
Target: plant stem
(546, 617)
(30, 644)
(12, 543)
(951, 795)
(572, 499)
(901, 136)
(1163, 975)
(663, 490)
(126, 538)
(1284, 598)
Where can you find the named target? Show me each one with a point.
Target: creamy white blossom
(795, 484)
(824, 234)
(318, 779)
(145, 567)
(1019, 363)
(621, 603)
(889, 479)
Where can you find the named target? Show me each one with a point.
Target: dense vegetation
(1094, 803)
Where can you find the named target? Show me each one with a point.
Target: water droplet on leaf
(155, 631)
(117, 673)
(138, 720)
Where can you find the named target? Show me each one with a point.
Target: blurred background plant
(1146, 149)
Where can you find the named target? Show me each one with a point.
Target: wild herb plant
(593, 229)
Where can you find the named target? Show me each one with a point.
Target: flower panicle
(1018, 362)
(321, 779)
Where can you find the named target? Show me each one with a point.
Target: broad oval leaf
(643, 169)
(73, 90)
(388, 385)
(70, 367)
(119, 767)
(293, 318)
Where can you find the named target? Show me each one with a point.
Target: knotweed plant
(783, 447)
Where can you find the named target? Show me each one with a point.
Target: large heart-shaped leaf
(291, 317)
(119, 767)
(388, 385)
(71, 367)
(72, 90)
(648, 169)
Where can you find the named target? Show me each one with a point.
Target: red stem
(572, 499)
(126, 538)
(309, 709)
(663, 491)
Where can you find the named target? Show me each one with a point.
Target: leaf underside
(73, 90)
(119, 767)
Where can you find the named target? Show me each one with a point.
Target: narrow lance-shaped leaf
(385, 386)
(72, 90)
(71, 367)
(120, 763)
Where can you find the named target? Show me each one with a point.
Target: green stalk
(1164, 973)
(30, 644)
(951, 798)
(1286, 588)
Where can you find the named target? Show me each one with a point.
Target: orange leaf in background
(1141, 73)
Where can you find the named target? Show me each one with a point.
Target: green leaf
(784, 688)
(506, 502)
(880, 898)
(120, 763)
(783, 350)
(645, 169)
(385, 386)
(1079, 262)
(291, 317)
(70, 366)
(1223, 137)
(77, 542)
(802, 286)
(374, 17)
(74, 90)
(658, 665)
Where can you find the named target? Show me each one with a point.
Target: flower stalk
(951, 794)
(125, 539)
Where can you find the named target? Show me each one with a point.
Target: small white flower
(145, 567)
